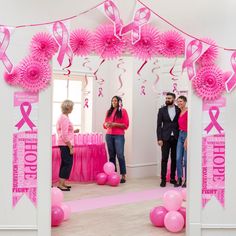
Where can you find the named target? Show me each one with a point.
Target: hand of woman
(71, 151)
(185, 144)
(107, 124)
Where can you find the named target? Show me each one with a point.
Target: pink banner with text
(25, 146)
(213, 151)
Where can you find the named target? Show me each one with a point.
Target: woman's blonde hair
(66, 106)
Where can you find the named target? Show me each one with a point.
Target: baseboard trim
(218, 226)
(141, 165)
(19, 227)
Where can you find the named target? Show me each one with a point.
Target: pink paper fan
(43, 46)
(147, 46)
(106, 44)
(209, 82)
(12, 78)
(210, 55)
(81, 42)
(34, 75)
(171, 44)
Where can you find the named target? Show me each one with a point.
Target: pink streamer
(214, 118)
(172, 69)
(95, 73)
(25, 116)
(191, 57)
(139, 70)
(3, 48)
(156, 67)
(86, 105)
(121, 62)
(100, 92)
(113, 14)
(86, 61)
(231, 82)
(61, 35)
(141, 18)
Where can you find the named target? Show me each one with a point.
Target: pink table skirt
(87, 163)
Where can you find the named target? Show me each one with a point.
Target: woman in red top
(181, 152)
(116, 122)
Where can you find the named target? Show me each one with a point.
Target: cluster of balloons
(172, 215)
(59, 211)
(109, 176)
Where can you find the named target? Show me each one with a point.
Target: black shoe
(173, 181)
(163, 183)
(184, 185)
(63, 189)
(122, 181)
(67, 186)
(179, 183)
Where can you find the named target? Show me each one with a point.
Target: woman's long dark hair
(118, 111)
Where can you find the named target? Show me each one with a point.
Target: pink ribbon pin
(141, 18)
(3, 47)
(61, 35)
(113, 14)
(100, 94)
(25, 116)
(191, 57)
(231, 81)
(214, 122)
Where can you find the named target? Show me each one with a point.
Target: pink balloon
(101, 178)
(67, 211)
(172, 200)
(56, 196)
(174, 221)
(184, 194)
(57, 216)
(109, 168)
(182, 211)
(113, 179)
(157, 216)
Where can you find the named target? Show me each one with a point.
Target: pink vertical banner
(213, 151)
(25, 147)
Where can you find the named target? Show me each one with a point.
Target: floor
(95, 214)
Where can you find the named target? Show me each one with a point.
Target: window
(65, 87)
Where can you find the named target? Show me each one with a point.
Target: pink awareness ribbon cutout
(141, 18)
(231, 81)
(191, 57)
(214, 122)
(100, 94)
(113, 14)
(142, 92)
(61, 35)
(25, 116)
(3, 48)
(175, 87)
(86, 103)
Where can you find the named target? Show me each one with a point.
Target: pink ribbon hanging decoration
(231, 81)
(25, 116)
(3, 48)
(61, 35)
(214, 122)
(113, 14)
(191, 57)
(86, 101)
(175, 88)
(142, 92)
(100, 92)
(121, 62)
(141, 18)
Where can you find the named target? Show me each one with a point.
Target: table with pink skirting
(87, 163)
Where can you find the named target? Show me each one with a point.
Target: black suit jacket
(164, 124)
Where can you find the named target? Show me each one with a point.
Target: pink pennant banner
(3, 48)
(213, 152)
(25, 145)
(113, 14)
(231, 81)
(193, 51)
(61, 35)
(141, 18)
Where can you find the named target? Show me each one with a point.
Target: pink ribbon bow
(231, 81)
(61, 35)
(100, 94)
(191, 57)
(214, 122)
(142, 92)
(113, 14)
(141, 18)
(175, 88)
(86, 103)
(3, 47)
(25, 116)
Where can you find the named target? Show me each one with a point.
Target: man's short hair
(171, 94)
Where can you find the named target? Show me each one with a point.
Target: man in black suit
(167, 136)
